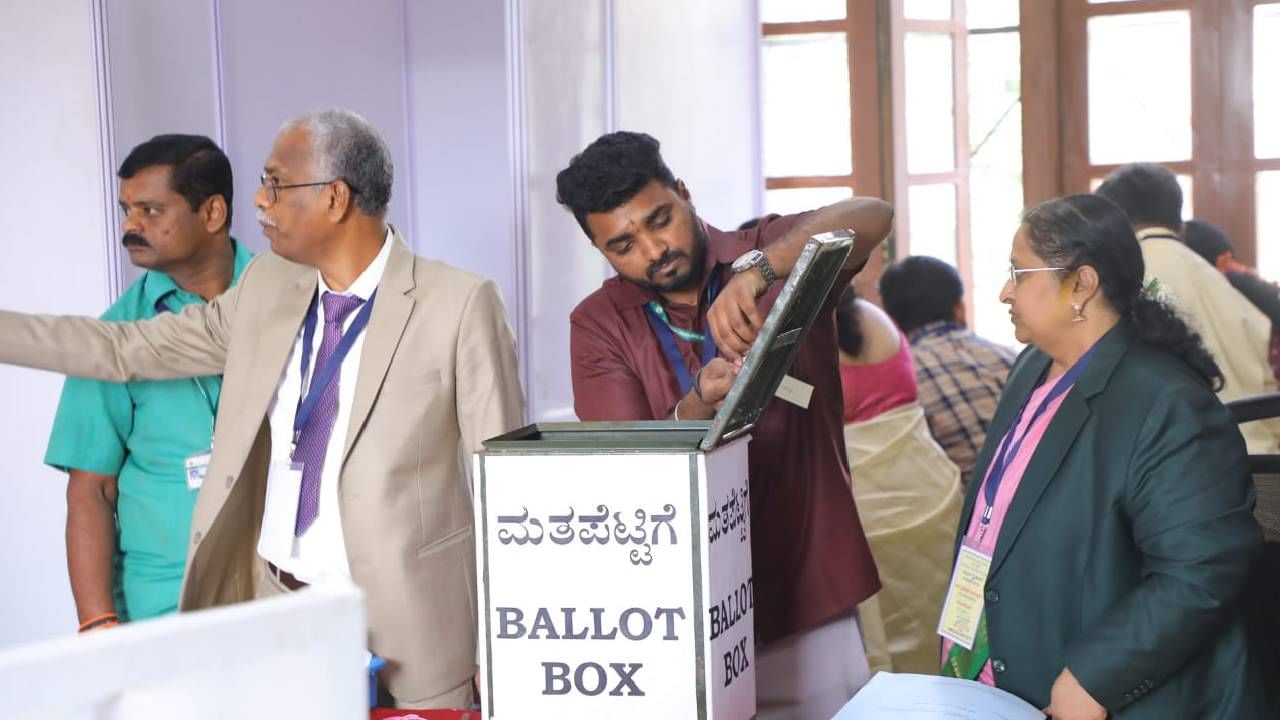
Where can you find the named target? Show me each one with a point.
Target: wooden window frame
(957, 27)
(1055, 107)
(866, 128)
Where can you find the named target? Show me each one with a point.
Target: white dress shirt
(320, 554)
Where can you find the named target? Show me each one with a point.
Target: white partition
(53, 258)
(299, 655)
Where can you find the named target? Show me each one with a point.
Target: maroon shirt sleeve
(604, 387)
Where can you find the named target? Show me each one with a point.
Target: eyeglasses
(273, 190)
(1014, 272)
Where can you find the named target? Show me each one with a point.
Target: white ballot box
(614, 559)
(616, 574)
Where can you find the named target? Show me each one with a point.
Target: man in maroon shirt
(639, 351)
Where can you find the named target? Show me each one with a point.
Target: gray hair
(347, 147)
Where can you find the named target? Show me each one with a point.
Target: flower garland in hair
(1156, 290)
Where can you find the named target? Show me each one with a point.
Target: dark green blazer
(1127, 544)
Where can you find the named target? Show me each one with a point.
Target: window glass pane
(930, 103)
(1188, 208)
(995, 175)
(1269, 224)
(793, 200)
(1140, 87)
(927, 9)
(991, 14)
(806, 105)
(933, 221)
(774, 11)
(1266, 91)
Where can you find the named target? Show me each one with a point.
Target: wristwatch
(758, 260)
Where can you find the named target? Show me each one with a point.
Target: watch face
(744, 262)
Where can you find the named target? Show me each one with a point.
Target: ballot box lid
(770, 356)
(661, 436)
(763, 369)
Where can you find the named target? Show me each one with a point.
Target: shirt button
(998, 666)
(195, 539)
(230, 481)
(992, 596)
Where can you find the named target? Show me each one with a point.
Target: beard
(692, 277)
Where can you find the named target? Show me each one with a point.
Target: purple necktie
(313, 442)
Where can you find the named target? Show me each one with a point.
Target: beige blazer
(437, 377)
(1236, 332)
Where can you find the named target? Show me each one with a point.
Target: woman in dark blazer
(1125, 533)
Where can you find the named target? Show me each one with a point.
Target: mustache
(134, 240)
(667, 257)
(264, 218)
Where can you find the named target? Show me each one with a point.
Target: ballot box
(614, 559)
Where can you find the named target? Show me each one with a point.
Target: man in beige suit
(1233, 330)
(358, 381)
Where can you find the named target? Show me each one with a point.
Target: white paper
(933, 697)
(796, 392)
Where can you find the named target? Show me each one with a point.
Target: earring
(1079, 312)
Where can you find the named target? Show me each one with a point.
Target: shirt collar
(929, 329)
(722, 249)
(368, 280)
(157, 286)
(1158, 232)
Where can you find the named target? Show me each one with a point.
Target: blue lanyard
(161, 308)
(307, 405)
(667, 337)
(1009, 447)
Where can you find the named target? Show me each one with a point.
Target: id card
(197, 466)
(962, 610)
(796, 392)
(279, 517)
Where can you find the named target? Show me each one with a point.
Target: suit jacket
(1127, 544)
(437, 376)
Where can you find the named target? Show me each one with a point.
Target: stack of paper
(931, 697)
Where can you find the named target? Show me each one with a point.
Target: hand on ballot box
(926, 697)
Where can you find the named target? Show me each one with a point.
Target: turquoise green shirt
(142, 432)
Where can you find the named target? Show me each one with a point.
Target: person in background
(1212, 244)
(134, 452)
(959, 375)
(1235, 332)
(1109, 530)
(906, 488)
(661, 340)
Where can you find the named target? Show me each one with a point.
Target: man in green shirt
(135, 452)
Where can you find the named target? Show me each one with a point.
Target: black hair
(1149, 194)
(848, 323)
(1206, 239)
(200, 169)
(610, 172)
(919, 290)
(1080, 230)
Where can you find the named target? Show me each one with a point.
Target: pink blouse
(1017, 465)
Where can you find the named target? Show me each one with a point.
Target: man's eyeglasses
(273, 190)
(1015, 272)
